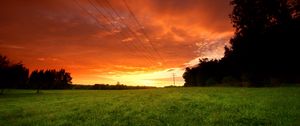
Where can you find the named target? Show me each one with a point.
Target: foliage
(50, 79)
(264, 49)
(17, 76)
(12, 75)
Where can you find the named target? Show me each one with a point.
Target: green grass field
(171, 106)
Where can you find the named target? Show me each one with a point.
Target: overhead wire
(142, 29)
(149, 58)
(99, 24)
(127, 27)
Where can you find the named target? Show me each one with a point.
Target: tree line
(109, 87)
(264, 50)
(16, 75)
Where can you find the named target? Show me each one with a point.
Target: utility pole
(173, 79)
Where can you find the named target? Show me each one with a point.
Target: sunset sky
(135, 42)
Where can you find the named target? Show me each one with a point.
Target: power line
(140, 42)
(97, 21)
(89, 14)
(99, 25)
(142, 28)
(115, 26)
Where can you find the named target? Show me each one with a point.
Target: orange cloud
(102, 42)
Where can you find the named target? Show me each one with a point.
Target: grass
(167, 107)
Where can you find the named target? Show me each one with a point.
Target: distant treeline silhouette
(109, 87)
(17, 76)
(263, 52)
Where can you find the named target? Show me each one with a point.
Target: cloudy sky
(135, 42)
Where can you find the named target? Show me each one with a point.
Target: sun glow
(155, 78)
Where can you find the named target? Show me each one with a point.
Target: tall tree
(35, 80)
(264, 48)
(12, 75)
(50, 79)
(18, 76)
(4, 62)
(266, 32)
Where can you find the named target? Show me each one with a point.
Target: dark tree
(50, 79)
(18, 76)
(264, 49)
(188, 77)
(12, 75)
(4, 62)
(265, 42)
(66, 78)
(36, 80)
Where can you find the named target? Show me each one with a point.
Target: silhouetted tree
(18, 76)
(66, 78)
(264, 49)
(188, 77)
(12, 75)
(4, 62)
(265, 42)
(35, 80)
(205, 74)
(50, 79)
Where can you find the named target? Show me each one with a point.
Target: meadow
(152, 107)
